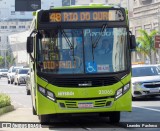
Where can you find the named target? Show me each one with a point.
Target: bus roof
(93, 5)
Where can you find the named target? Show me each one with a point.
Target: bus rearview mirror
(132, 42)
(29, 44)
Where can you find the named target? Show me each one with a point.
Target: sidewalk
(19, 115)
(22, 115)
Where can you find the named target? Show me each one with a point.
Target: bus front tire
(44, 119)
(114, 117)
(28, 92)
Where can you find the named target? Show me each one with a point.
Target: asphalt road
(144, 110)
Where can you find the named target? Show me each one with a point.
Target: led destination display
(81, 16)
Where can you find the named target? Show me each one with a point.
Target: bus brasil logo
(89, 83)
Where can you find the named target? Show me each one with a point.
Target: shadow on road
(148, 98)
(82, 122)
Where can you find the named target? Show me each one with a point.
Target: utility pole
(128, 5)
(158, 19)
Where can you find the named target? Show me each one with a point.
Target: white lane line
(147, 108)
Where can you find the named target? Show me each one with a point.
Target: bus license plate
(85, 105)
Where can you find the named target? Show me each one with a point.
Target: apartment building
(145, 15)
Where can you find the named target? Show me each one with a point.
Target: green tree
(10, 60)
(145, 43)
(1, 61)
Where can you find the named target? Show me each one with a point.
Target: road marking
(147, 108)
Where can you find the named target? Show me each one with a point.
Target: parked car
(20, 76)
(28, 83)
(145, 80)
(3, 72)
(11, 73)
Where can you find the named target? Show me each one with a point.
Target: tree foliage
(145, 43)
(1, 61)
(10, 60)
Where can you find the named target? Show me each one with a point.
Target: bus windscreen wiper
(66, 38)
(97, 40)
(94, 44)
(68, 41)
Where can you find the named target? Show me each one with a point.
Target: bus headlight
(126, 88)
(122, 91)
(42, 90)
(47, 93)
(119, 93)
(51, 96)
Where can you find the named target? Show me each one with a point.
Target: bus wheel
(28, 92)
(114, 117)
(44, 119)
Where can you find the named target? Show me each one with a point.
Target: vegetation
(145, 43)
(4, 100)
(9, 61)
(1, 61)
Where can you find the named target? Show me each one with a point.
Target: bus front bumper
(97, 105)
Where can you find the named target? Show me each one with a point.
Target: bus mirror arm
(33, 60)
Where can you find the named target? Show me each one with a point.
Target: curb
(6, 109)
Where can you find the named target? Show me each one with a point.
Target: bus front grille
(100, 103)
(96, 104)
(70, 104)
(84, 82)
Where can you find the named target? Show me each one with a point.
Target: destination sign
(83, 16)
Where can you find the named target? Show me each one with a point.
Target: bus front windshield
(82, 51)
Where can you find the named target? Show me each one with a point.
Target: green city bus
(80, 61)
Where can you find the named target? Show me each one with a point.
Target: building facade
(145, 15)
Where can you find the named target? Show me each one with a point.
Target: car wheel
(11, 82)
(133, 98)
(8, 82)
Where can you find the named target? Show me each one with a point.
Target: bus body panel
(46, 106)
(98, 96)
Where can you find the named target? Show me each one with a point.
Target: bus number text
(106, 92)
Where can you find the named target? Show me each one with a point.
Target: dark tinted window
(27, 5)
(22, 71)
(4, 70)
(145, 71)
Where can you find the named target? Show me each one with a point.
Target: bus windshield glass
(82, 51)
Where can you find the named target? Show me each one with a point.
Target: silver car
(145, 80)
